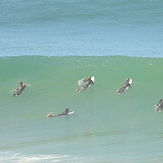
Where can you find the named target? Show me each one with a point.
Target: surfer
(19, 89)
(88, 83)
(124, 86)
(159, 106)
(64, 113)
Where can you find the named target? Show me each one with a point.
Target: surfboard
(59, 115)
(71, 112)
(93, 78)
(130, 81)
(82, 80)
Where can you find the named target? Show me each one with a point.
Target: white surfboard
(93, 78)
(71, 112)
(130, 81)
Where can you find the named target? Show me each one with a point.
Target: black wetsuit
(19, 90)
(86, 85)
(124, 87)
(64, 113)
(159, 106)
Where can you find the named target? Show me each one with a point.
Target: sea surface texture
(81, 27)
(50, 45)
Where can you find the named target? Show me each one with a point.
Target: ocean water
(50, 45)
(105, 127)
(82, 28)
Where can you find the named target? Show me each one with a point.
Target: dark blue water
(82, 28)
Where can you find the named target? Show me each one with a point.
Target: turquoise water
(105, 127)
(50, 45)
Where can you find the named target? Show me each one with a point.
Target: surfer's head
(127, 79)
(160, 100)
(21, 83)
(89, 77)
(67, 110)
(77, 89)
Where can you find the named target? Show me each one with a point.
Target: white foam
(7, 157)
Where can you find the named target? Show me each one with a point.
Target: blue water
(82, 28)
(52, 44)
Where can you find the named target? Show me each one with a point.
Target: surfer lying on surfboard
(64, 113)
(125, 86)
(19, 89)
(159, 106)
(88, 83)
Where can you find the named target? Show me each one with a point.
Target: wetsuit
(64, 113)
(124, 87)
(87, 84)
(159, 106)
(19, 90)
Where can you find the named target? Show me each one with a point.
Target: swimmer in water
(88, 83)
(63, 114)
(159, 106)
(124, 86)
(19, 89)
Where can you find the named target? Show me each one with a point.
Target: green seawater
(105, 127)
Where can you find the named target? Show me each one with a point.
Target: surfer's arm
(161, 105)
(128, 84)
(17, 89)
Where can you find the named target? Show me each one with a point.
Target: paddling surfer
(124, 86)
(62, 114)
(88, 83)
(19, 89)
(159, 106)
